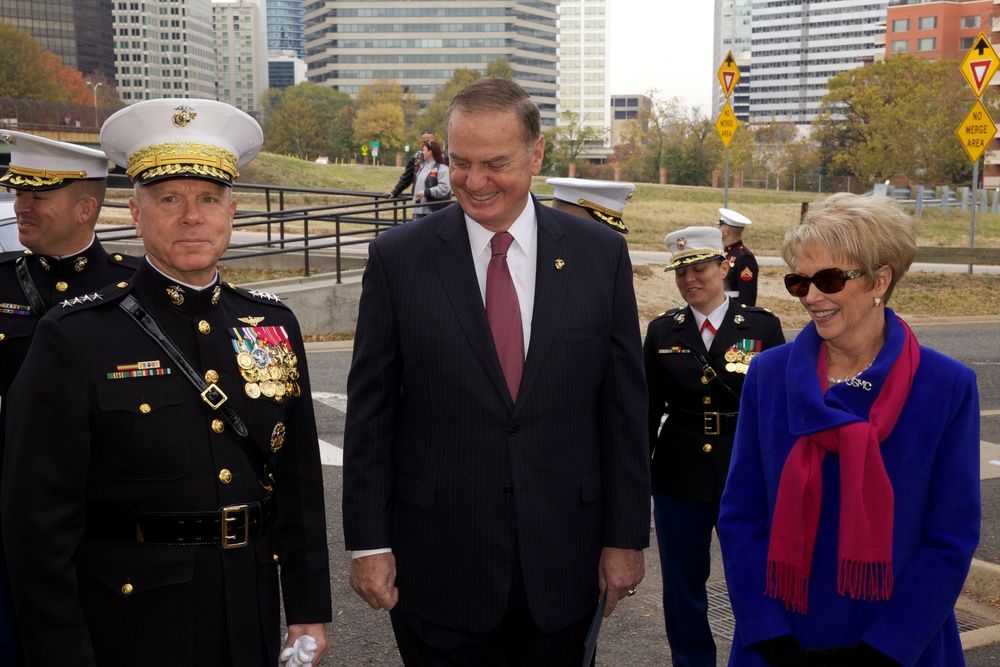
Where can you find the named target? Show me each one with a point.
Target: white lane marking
(330, 455)
(331, 399)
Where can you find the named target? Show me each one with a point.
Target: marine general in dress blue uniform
(60, 188)
(696, 359)
(175, 478)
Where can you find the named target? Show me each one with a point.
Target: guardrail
(943, 196)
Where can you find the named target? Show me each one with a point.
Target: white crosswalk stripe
(331, 455)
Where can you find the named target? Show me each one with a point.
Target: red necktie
(707, 325)
(504, 313)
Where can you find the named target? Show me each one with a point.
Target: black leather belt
(708, 423)
(231, 527)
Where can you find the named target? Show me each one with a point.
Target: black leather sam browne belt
(230, 527)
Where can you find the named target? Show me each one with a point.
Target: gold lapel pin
(560, 264)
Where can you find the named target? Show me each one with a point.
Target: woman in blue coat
(851, 512)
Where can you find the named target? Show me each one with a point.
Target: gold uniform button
(145, 408)
(61, 286)
(122, 285)
(2, 336)
(707, 448)
(218, 425)
(118, 257)
(707, 400)
(127, 589)
(204, 327)
(275, 557)
(225, 476)
(211, 376)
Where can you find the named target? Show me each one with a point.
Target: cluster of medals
(738, 356)
(267, 362)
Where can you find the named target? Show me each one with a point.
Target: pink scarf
(864, 548)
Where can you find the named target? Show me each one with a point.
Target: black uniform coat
(442, 467)
(743, 273)
(687, 463)
(84, 272)
(116, 436)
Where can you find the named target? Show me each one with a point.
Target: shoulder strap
(34, 299)
(210, 393)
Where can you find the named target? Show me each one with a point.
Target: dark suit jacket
(441, 467)
(687, 463)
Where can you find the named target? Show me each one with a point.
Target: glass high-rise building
(78, 31)
(286, 26)
(353, 43)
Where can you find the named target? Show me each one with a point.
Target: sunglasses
(827, 281)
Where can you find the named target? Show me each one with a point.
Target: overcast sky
(663, 44)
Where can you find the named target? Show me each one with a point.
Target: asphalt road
(634, 634)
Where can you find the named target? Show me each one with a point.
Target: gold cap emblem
(183, 115)
(681, 242)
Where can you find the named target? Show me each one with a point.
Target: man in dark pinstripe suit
(489, 514)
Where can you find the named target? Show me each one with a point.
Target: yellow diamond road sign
(980, 64)
(729, 75)
(976, 131)
(727, 124)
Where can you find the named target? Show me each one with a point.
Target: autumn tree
(896, 117)
(23, 74)
(387, 91)
(382, 122)
(308, 120)
(566, 142)
(501, 68)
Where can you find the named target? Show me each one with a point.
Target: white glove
(300, 653)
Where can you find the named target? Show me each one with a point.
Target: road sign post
(977, 130)
(726, 124)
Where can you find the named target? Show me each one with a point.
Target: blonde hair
(869, 230)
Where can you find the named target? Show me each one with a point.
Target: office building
(583, 67)
(285, 69)
(798, 46)
(936, 30)
(354, 43)
(733, 34)
(627, 109)
(164, 48)
(241, 52)
(78, 31)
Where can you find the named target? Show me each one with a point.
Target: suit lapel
(458, 274)
(550, 285)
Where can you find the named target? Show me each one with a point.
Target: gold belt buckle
(211, 389)
(230, 515)
(712, 423)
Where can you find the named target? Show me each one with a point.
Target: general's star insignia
(252, 321)
(264, 295)
(69, 303)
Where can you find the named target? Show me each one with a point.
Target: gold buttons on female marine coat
(225, 476)
(204, 327)
(127, 589)
(218, 425)
(145, 408)
(211, 376)
(707, 448)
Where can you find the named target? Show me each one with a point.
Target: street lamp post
(96, 86)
